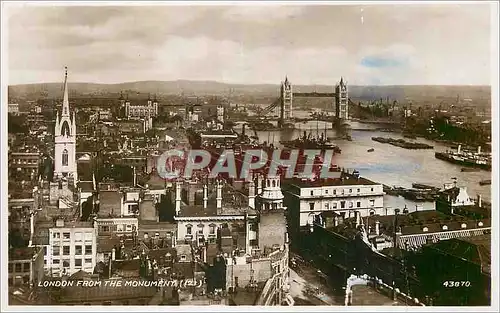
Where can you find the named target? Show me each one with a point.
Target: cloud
(262, 13)
(396, 44)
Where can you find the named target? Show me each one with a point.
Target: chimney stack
(219, 194)
(135, 177)
(259, 184)
(177, 197)
(377, 228)
(358, 218)
(251, 194)
(479, 201)
(479, 149)
(32, 228)
(205, 196)
(459, 149)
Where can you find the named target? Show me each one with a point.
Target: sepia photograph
(206, 155)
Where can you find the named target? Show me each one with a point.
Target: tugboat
(370, 150)
(485, 182)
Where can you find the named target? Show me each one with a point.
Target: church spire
(65, 106)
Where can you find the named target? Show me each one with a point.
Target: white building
(346, 195)
(65, 140)
(72, 247)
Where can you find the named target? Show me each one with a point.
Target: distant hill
(141, 89)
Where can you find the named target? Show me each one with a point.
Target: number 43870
(461, 283)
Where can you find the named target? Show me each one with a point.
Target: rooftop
(343, 181)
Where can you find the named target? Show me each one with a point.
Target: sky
(416, 44)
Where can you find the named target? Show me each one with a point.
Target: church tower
(65, 140)
(341, 100)
(272, 221)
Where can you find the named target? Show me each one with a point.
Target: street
(308, 286)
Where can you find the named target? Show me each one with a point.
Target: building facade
(72, 247)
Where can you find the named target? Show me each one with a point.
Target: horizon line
(245, 84)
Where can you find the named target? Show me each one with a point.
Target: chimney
(32, 228)
(479, 149)
(377, 228)
(459, 149)
(135, 177)
(219, 194)
(259, 184)
(251, 194)
(177, 197)
(479, 201)
(205, 196)
(358, 218)
(192, 186)
(113, 254)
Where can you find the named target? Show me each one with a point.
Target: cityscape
(204, 169)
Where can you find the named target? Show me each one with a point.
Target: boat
(402, 143)
(308, 142)
(370, 150)
(469, 169)
(485, 182)
(466, 158)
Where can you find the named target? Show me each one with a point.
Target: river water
(390, 165)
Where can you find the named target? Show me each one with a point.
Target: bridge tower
(286, 95)
(341, 100)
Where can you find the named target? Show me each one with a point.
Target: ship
(466, 158)
(485, 182)
(370, 150)
(309, 142)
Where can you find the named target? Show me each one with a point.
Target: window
(66, 250)
(350, 190)
(327, 206)
(88, 249)
(119, 227)
(105, 229)
(78, 250)
(55, 261)
(200, 229)
(88, 261)
(464, 225)
(188, 229)
(425, 229)
(351, 204)
(78, 237)
(371, 189)
(66, 236)
(129, 228)
(57, 235)
(65, 263)
(312, 192)
(212, 229)
(334, 205)
(89, 236)
(55, 251)
(342, 204)
(11, 268)
(372, 202)
(445, 227)
(334, 191)
(78, 262)
(359, 190)
(311, 206)
(358, 204)
(253, 243)
(65, 158)
(326, 191)
(18, 267)
(183, 257)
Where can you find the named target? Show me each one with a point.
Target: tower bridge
(284, 102)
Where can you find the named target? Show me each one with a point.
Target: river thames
(390, 165)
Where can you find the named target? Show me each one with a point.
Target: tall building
(286, 100)
(65, 140)
(341, 100)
